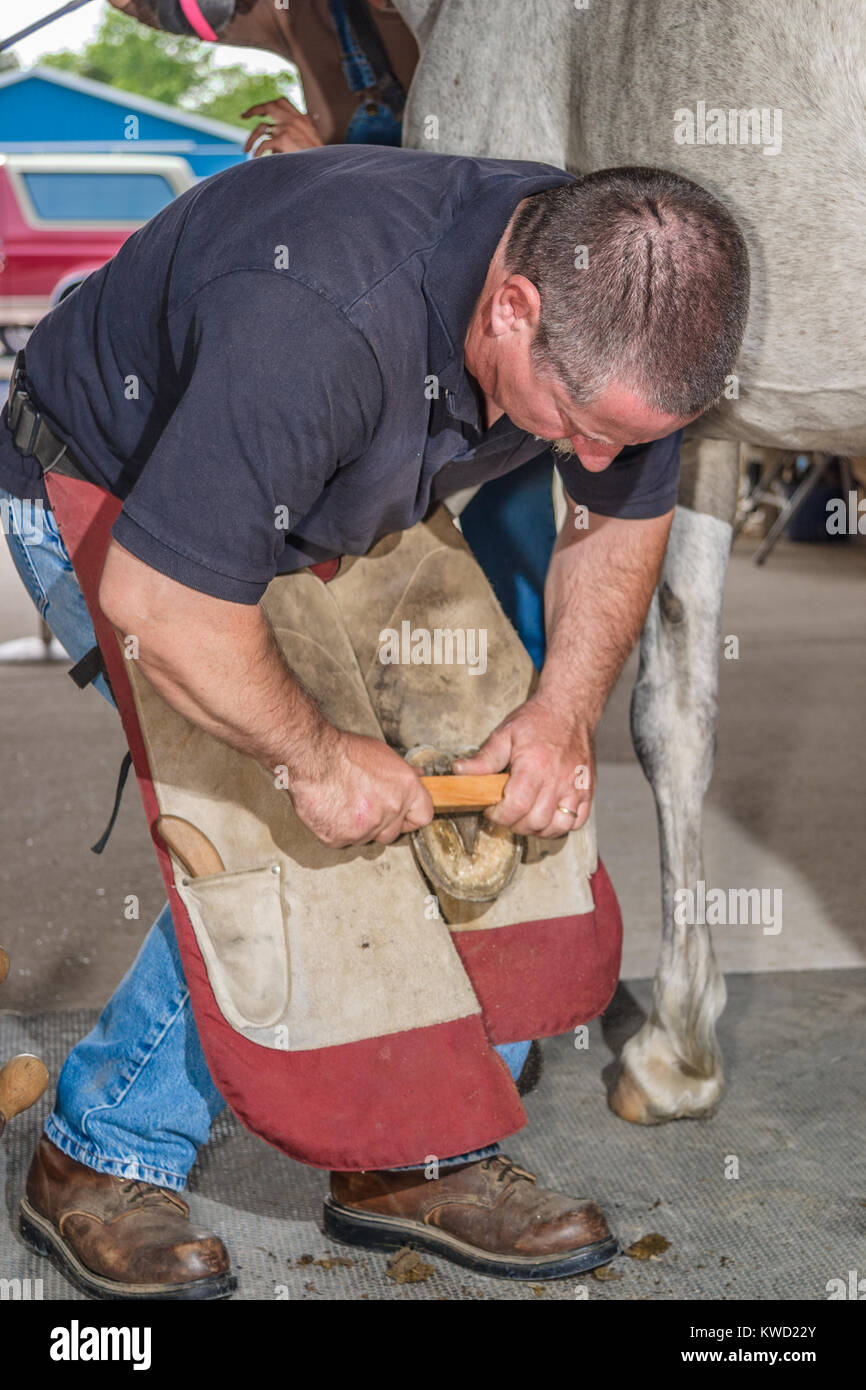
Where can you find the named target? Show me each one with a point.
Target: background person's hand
(287, 129)
(360, 791)
(551, 764)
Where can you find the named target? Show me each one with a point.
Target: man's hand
(551, 763)
(361, 791)
(287, 129)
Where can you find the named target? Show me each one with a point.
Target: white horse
(763, 103)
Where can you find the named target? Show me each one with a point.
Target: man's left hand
(552, 765)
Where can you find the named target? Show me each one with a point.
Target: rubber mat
(791, 1126)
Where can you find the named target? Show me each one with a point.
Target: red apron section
(537, 979)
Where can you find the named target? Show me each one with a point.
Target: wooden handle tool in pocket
(470, 793)
(190, 847)
(22, 1082)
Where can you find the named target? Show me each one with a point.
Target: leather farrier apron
(342, 1019)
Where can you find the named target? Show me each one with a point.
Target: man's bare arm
(597, 593)
(599, 586)
(217, 663)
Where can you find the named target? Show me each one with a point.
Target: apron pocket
(240, 924)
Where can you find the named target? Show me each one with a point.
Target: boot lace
(508, 1169)
(137, 1192)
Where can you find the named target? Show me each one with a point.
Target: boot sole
(40, 1236)
(353, 1227)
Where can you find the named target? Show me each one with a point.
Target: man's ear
(516, 305)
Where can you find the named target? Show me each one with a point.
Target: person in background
(355, 63)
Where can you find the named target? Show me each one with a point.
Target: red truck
(64, 215)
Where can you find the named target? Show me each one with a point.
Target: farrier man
(281, 322)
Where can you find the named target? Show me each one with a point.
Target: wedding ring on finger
(567, 811)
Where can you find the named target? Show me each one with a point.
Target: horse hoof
(630, 1102)
(465, 857)
(666, 1089)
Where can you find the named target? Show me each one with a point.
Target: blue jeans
(135, 1097)
(511, 528)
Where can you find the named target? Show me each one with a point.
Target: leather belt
(32, 435)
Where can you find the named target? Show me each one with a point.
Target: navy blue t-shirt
(270, 372)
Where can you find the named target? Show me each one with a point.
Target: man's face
(595, 433)
(498, 353)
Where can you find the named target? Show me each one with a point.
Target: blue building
(44, 110)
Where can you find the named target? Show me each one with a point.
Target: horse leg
(672, 1067)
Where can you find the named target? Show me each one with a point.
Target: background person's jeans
(135, 1097)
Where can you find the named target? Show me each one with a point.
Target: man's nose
(594, 457)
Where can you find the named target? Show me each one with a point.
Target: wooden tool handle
(470, 793)
(22, 1082)
(190, 846)
(4, 965)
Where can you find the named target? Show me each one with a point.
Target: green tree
(165, 67)
(235, 89)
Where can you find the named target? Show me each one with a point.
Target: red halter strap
(194, 17)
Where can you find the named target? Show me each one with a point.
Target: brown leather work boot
(489, 1215)
(118, 1237)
